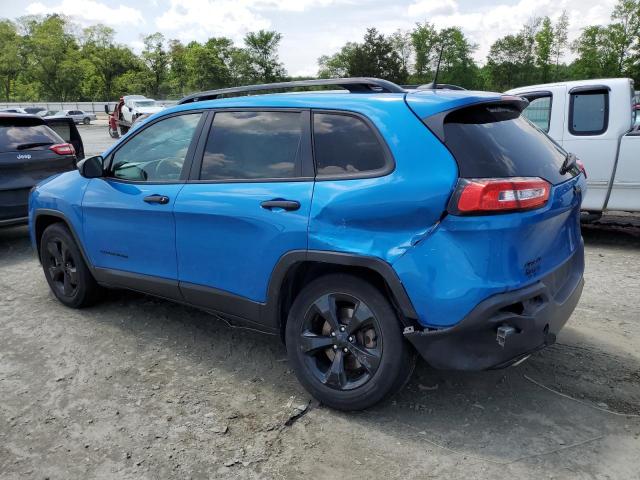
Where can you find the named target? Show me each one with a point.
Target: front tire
(345, 343)
(64, 268)
(86, 121)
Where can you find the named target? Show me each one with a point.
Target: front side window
(253, 145)
(589, 113)
(158, 152)
(345, 145)
(539, 111)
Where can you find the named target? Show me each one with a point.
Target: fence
(94, 107)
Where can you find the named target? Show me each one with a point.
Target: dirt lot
(140, 388)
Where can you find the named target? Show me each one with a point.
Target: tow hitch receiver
(504, 331)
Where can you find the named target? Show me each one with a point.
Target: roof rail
(354, 85)
(439, 86)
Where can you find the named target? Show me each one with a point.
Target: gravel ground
(138, 388)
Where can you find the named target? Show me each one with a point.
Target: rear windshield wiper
(25, 146)
(569, 162)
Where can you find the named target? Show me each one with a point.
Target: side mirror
(106, 108)
(91, 167)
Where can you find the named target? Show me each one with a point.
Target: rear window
(496, 141)
(16, 137)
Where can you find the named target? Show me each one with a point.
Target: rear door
(589, 136)
(128, 220)
(246, 204)
(67, 130)
(25, 159)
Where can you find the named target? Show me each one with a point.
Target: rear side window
(344, 145)
(61, 128)
(539, 111)
(496, 141)
(15, 137)
(253, 145)
(589, 112)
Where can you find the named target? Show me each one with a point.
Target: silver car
(78, 116)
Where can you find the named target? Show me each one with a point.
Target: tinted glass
(539, 112)
(588, 115)
(344, 144)
(251, 145)
(156, 153)
(495, 141)
(62, 129)
(16, 137)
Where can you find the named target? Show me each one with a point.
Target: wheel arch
(43, 218)
(297, 268)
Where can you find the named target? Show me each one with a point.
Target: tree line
(50, 58)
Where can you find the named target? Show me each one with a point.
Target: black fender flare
(291, 258)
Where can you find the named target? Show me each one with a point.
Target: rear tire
(345, 343)
(65, 270)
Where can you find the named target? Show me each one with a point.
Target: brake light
(581, 167)
(477, 195)
(63, 149)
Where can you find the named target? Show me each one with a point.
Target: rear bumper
(535, 314)
(14, 206)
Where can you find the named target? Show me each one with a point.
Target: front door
(247, 205)
(128, 220)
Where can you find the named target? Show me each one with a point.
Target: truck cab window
(589, 112)
(539, 111)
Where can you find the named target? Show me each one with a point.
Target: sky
(310, 28)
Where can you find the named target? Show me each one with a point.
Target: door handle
(161, 199)
(288, 205)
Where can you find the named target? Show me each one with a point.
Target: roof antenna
(434, 85)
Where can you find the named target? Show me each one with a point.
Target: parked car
(13, 110)
(78, 116)
(594, 120)
(30, 151)
(360, 227)
(35, 110)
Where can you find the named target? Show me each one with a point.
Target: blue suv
(361, 225)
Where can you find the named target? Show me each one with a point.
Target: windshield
(145, 103)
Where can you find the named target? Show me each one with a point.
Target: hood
(149, 110)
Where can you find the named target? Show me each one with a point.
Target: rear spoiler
(435, 123)
(66, 128)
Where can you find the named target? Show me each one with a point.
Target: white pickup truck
(137, 105)
(595, 120)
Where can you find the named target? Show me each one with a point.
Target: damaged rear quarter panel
(384, 216)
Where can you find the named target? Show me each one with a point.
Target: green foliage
(45, 58)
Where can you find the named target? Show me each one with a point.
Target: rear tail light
(581, 167)
(494, 195)
(63, 149)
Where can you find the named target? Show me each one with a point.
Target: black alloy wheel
(341, 341)
(61, 267)
(64, 268)
(345, 343)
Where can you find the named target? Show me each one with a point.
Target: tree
(401, 41)
(506, 62)
(110, 60)
(425, 41)
(457, 65)
(560, 39)
(624, 34)
(53, 57)
(11, 56)
(156, 59)
(178, 72)
(337, 65)
(376, 57)
(262, 49)
(596, 54)
(544, 39)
